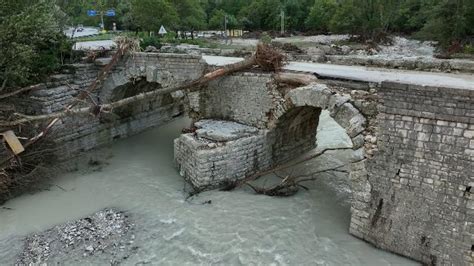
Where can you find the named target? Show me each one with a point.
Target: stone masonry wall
(82, 133)
(422, 178)
(220, 152)
(245, 98)
(294, 134)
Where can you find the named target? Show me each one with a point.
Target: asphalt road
(369, 74)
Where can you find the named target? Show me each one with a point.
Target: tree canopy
(446, 21)
(30, 40)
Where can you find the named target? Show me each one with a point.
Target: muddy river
(238, 228)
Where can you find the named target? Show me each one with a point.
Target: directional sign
(110, 13)
(162, 30)
(91, 13)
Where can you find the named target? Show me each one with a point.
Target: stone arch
(321, 97)
(131, 89)
(294, 133)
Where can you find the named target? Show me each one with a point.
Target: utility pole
(282, 15)
(102, 20)
(225, 28)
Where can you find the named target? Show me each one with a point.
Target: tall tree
(192, 16)
(30, 36)
(320, 15)
(450, 21)
(149, 15)
(216, 22)
(261, 15)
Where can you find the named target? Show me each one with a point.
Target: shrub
(150, 41)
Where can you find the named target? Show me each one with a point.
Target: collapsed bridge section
(411, 177)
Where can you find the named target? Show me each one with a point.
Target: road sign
(91, 13)
(162, 30)
(110, 13)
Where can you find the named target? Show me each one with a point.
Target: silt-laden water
(137, 175)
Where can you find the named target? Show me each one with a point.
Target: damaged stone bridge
(413, 145)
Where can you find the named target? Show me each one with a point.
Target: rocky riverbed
(107, 233)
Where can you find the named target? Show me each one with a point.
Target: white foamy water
(238, 228)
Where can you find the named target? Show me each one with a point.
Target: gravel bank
(107, 234)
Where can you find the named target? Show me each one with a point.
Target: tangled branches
(289, 184)
(268, 58)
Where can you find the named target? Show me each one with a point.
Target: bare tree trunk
(295, 79)
(287, 165)
(13, 93)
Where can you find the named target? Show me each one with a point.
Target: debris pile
(108, 231)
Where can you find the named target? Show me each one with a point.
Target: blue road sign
(110, 13)
(91, 13)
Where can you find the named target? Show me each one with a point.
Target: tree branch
(291, 184)
(287, 165)
(15, 92)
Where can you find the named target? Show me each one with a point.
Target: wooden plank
(13, 142)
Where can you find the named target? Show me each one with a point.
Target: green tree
(261, 15)
(321, 14)
(192, 16)
(30, 41)
(411, 16)
(216, 22)
(344, 19)
(296, 12)
(450, 21)
(149, 15)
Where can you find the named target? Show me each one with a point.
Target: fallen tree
(265, 57)
(290, 184)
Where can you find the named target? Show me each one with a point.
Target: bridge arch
(301, 107)
(320, 97)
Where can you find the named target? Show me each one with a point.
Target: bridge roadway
(369, 74)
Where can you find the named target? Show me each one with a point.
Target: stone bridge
(413, 168)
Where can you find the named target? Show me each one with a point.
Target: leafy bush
(266, 38)
(150, 41)
(469, 49)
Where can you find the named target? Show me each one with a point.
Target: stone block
(221, 152)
